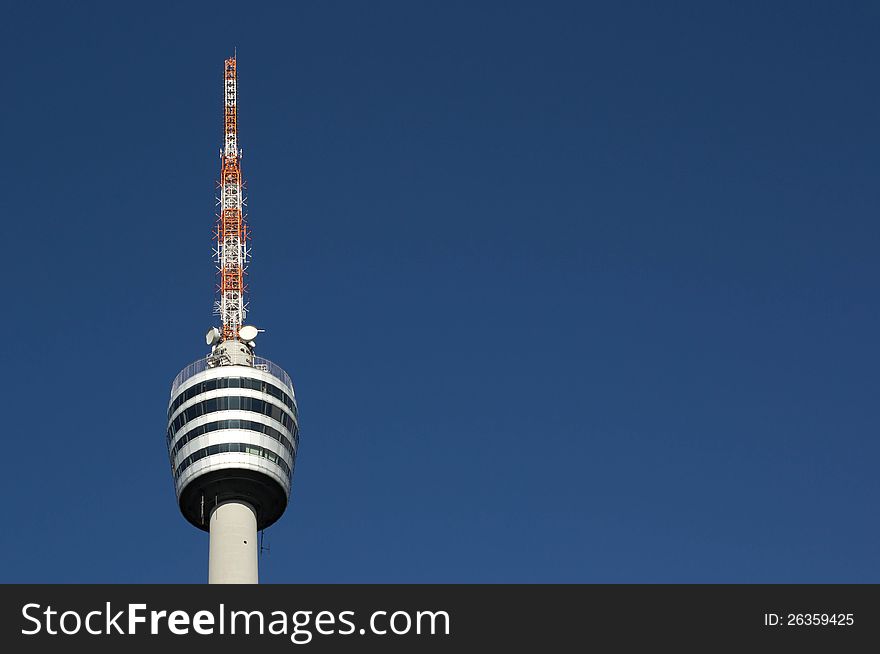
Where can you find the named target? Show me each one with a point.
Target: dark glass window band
(230, 403)
(247, 448)
(195, 432)
(233, 382)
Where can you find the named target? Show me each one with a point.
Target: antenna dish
(248, 333)
(213, 336)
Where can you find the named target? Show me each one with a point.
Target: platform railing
(200, 365)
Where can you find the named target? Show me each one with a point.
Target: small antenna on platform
(263, 548)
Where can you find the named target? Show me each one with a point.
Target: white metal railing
(200, 365)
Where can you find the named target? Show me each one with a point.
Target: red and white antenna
(232, 253)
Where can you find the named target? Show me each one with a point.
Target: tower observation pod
(233, 424)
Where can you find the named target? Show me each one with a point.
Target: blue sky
(570, 292)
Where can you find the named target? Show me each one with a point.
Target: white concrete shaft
(232, 558)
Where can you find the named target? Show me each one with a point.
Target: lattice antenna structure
(232, 252)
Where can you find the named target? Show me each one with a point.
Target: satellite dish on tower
(248, 333)
(213, 336)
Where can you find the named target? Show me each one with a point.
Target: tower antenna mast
(232, 253)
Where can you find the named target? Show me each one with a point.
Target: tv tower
(233, 429)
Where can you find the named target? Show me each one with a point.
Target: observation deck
(233, 435)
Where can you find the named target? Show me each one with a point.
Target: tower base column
(232, 557)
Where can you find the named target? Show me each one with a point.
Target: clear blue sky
(570, 292)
